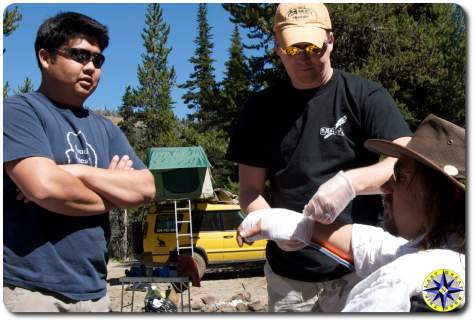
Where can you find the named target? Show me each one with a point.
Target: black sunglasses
(83, 56)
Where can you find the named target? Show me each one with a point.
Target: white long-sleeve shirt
(393, 270)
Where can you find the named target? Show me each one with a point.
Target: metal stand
(133, 280)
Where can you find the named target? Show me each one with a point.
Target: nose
(89, 68)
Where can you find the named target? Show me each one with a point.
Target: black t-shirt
(303, 138)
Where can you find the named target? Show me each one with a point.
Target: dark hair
(444, 203)
(58, 30)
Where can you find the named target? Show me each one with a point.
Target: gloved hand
(330, 199)
(278, 224)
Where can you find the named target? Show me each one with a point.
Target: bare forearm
(41, 181)
(336, 237)
(251, 188)
(368, 180)
(77, 201)
(123, 188)
(252, 201)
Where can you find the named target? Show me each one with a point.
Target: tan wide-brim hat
(437, 143)
(301, 23)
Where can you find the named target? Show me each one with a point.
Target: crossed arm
(79, 190)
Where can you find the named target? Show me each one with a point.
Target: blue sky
(125, 23)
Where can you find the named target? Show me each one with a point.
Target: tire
(201, 265)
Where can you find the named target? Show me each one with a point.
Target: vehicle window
(206, 221)
(165, 223)
(232, 219)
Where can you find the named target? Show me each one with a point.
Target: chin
(85, 93)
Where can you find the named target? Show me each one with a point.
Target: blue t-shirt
(43, 250)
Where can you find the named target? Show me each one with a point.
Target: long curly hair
(444, 201)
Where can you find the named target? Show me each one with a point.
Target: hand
(330, 199)
(276, 224)
(123, 163)
(20, 196)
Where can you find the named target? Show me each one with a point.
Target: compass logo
(443, 290)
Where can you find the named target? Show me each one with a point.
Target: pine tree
(6, 89)
(235, 85)
(147, 111)
(126, 111)
(265, 68)
(201, 86)
(156, 80)
(26, 87)
(416, 51)
(11, 20)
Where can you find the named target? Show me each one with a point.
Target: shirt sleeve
(249, 144)
(373, 248)
(23, 132)
(381, 118)
(121, 146)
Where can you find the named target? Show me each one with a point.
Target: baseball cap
(301, 22)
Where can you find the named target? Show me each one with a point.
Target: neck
(324, 78)
(51, 91)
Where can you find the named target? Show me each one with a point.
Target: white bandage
(278, 224)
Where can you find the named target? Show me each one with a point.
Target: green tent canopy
(180, 173)
(177, 158)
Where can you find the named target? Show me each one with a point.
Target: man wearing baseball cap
(306, 136)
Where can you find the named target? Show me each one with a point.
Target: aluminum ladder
(186, 209)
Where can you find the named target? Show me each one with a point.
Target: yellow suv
(214, 235)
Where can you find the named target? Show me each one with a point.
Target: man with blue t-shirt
(65, 168)
(306, 135)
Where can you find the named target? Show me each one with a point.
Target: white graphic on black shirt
(326, 132)
(80, 151)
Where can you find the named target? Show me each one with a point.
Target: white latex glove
(280, 225)
(330, 199)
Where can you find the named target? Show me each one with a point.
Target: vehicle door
(232, 252)
(208, 235)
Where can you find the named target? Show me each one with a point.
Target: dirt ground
(219, 284)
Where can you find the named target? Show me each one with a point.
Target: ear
(331, 38)
(45, 58)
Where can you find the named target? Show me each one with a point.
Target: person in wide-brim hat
(437, 143)
(426, 207)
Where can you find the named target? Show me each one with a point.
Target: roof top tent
(180, 173)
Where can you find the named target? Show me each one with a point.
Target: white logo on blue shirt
(80, 151)
(326, 132)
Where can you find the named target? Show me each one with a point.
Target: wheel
(201, 265)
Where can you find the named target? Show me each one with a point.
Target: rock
(227, 308)
(241, 307)
(195, 305)
(245, 297)
(256, 306)
(208, 299)
(209, 308)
